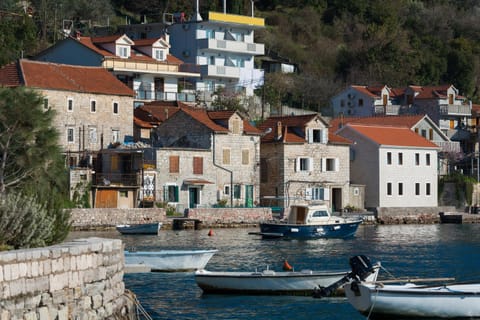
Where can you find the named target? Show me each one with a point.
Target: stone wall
(411, 215)
(82, 279)
(230, 216)
(84, 219)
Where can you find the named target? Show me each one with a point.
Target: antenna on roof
(198, 17)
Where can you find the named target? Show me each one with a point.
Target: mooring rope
(139, 308)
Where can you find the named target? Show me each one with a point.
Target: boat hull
(265, 283)
(144, 228)
(170, 260)
(410, 301)
(333, 230)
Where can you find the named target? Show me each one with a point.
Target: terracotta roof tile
(336, 139)
(392, 136)
(201, 116)
(399, 121)
(43, 75)
(9, 75)
(87, 42)
(433, 92)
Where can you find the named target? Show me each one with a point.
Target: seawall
(82, 279)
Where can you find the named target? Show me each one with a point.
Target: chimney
(278, 133)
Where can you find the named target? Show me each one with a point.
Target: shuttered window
(226, 156)
(174, 164)
(245, 156)
(197, 165)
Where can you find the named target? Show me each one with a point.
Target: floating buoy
(210, 233)
(287, 266)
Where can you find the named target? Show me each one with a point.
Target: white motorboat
(266, 282)
(141, 228)
(377, 299)
(170, 260)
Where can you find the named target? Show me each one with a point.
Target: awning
(196, 181)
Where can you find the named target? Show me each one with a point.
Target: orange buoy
(287, 266)
(210, 233)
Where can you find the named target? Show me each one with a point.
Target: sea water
(416, 251)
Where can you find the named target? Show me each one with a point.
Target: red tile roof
(392, 136)
(398, 121)
(201, 116)
(42, 75)
(87, 42)
(433, 92)
(9, 75)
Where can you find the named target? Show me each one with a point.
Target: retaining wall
(84, 219)
(80, 280)
(411, 215)
(230, 216)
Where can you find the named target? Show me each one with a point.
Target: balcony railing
(133, 65)
(232, 46)
(449, 146)
(164, 96)
(455, 110)
(221, 71)
(117, 179)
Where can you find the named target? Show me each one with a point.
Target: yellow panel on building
(233, 18)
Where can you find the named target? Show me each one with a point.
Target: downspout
(220, 167)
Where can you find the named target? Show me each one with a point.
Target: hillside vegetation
(335, 43)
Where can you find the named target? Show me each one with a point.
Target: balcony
(455, 110)
(221, 71)
(164, 96)
(117, 179)
(232, 46)
(139, 66)
(449, 146)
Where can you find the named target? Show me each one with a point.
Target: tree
(32, 171)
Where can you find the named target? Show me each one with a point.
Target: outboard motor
(361, 269)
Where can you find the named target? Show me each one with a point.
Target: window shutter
(165, 193)
(310, 135)
(197, 165)
(324, 164)
(325, 136)
(337, 164)
(176, 193)
(326, 194)
(297, 164)
(174, 164)
(308, 194)
(310, 164)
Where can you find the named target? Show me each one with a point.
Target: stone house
(397, 166)
(206, 158)
(93, 108)
(302, 162)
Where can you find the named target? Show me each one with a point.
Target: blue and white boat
(310, 221)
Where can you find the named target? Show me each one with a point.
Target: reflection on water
(404, 250)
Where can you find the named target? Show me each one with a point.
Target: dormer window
(159, 54)
(122, 51)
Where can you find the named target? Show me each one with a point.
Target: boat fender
(287, 266)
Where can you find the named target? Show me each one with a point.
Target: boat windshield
(320, 213)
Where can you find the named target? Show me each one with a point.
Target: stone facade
(90, 131)
(85, 219)
(230, 216)
(82, 279)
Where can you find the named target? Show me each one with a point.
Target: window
(114, 162)
(115, 108)
(360, 102)
(424, 133)
(197, 165)
(427, 189)
(417, 189)
(303, 164)
(159, 55)
(330, 164)
(226, 190)
(245, 156)
(342, 103)
(226, 156)
(115, 135)
(170, 193)
(389, 158)
(400, 159)
(317, 193)
(45, 104)
(174, 164)
(70, 105)
(400, 189)
(70, 135)
(93, 106)
(320, 213)
(212, 60)
(123, 51)
(317, 135)
(389, 189)
(236, 191)
(427, 159)
(92, 134)
(417, 159)
(123, 193)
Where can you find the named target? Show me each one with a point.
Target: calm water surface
(404, 250)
